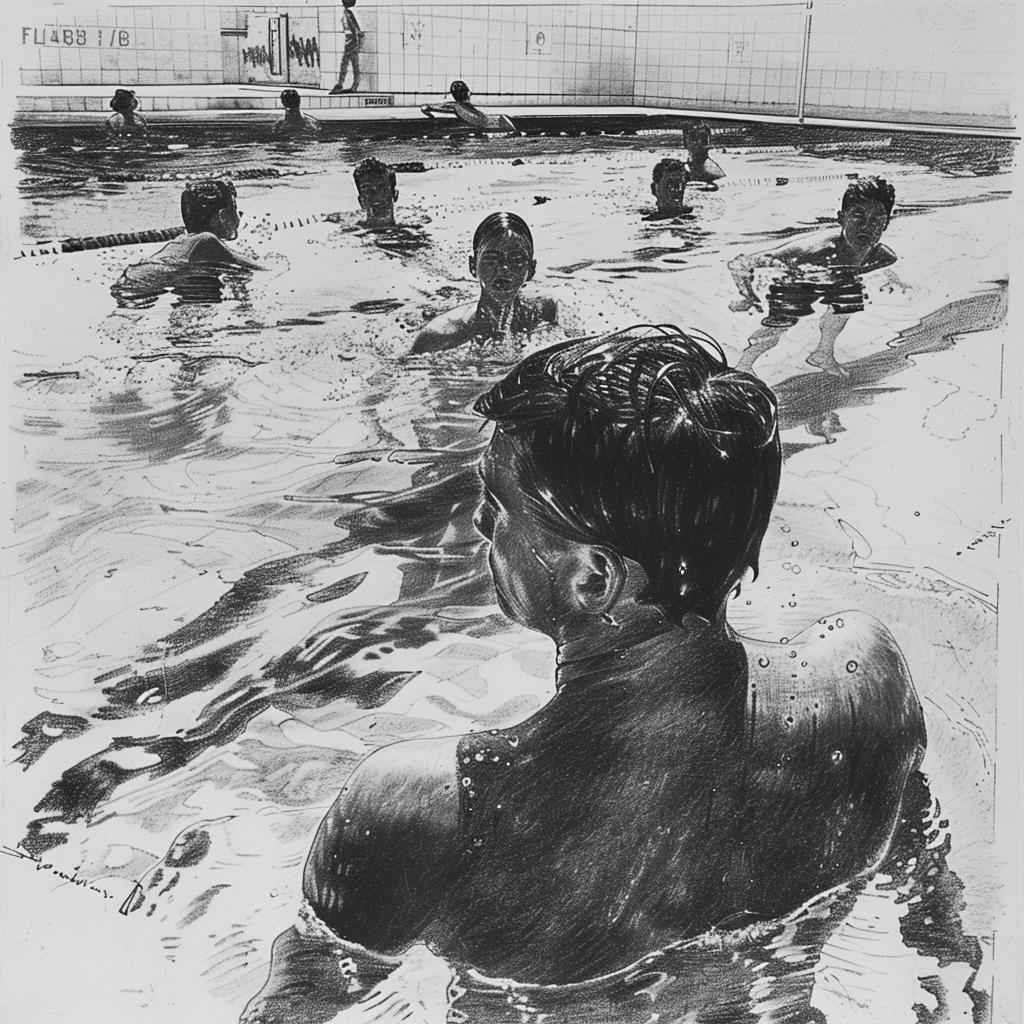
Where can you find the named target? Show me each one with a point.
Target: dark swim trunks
(789, 299)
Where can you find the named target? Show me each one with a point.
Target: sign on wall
(67, 38)
(414, 33)
(741, 49)
(538, 39)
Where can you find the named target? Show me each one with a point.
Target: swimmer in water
(825, 267)
(503, 262)
(376, 184)
(466, 112)
(699, 168)
(668, 183)
(294, 121)
(682, 778)
(124, 120)
(190, 262)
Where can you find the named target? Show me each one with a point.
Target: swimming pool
(244, 551)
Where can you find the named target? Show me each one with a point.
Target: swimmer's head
(290, 99)
(348, 3)
(668, 183)
(210, 206)
(641, 446)
(123, 100)
(502, 257)
(460, 92)
(376, 184)
(697, 139)
(866, 212)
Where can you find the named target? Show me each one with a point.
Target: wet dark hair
(459, 91)
(348, 3)
(877, 189)
(371, 169)
(666, 166)
(496, 225)
(647, 442)
(290, 99)
(122, 100)
(202, 200)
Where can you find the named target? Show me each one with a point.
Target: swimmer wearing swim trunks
(124, 120)
(682, 777)
(824, 267)
(466, 112)
(503, 263)
(294, 121)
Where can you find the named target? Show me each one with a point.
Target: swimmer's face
(377, 198)
(503, 265)
(863, 222)
(522, 550)
(669, 193)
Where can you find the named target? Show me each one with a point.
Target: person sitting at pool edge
(466, 112)
(825, 267)
(697, 139)
(376, 184)
(682, 778)
(124, 119)
(668, 183)
(503, 262)
(294, 121)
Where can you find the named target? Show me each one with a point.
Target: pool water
(244, 555)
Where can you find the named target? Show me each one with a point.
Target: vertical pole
(801, 88)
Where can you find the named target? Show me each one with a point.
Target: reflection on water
(276, 515)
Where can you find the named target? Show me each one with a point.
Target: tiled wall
(870, 59)
(885, 61)
(121, 45)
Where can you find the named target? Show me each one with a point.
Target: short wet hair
(290, 99)
(459, 90)
(373, 170)
(647, 442)
(878, 189)
(664, 167)
(201, 201)
(499, 224)
(123, 99)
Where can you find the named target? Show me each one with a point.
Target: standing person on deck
(354, 37)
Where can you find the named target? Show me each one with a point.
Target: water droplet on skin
(792, 604)
(784, 640)
(839, 623)
(789, 720)
(479, 757)
(785, 529)
(796, 569)
(836, 756)
(851, 666)
(794, 543)
(763, 661)
(785, 565)
(466, 780)
(792, 654)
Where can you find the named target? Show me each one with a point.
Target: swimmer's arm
(384, 857)
(449, 330)
(438, 108)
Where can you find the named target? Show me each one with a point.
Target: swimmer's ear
(598, 578)
(472, 265)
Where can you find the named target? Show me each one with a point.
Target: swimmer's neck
(495, 313)
(619, 644)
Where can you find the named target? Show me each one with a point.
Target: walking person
(354, 36)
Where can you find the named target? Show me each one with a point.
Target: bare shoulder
(849, 660)
(447, 330)
(383, 854)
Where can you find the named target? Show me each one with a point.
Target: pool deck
(254, 104)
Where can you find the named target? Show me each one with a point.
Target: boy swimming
(124, 120)
(466, 112)
(503, 262)
(376, 184)
(682, 778)
(668, 184)
(699, 166)
(294, 122)
(825, 267)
